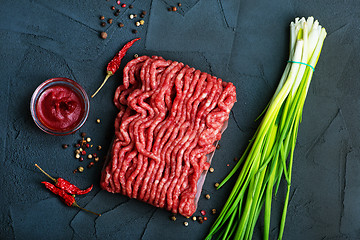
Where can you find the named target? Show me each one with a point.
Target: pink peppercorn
(95, 155)
(123, 5)
(203, 212)
(118, 2)
(83, 152)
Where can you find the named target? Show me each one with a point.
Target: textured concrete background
(243, 42)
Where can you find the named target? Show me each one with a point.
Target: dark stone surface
(243, 42)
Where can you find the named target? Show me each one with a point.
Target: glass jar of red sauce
(59, 106)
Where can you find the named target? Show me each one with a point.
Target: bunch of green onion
(266, 159)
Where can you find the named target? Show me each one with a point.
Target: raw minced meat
(170, 116)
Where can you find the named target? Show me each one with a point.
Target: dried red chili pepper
(66, 198)
(114, 64)
(65, 185)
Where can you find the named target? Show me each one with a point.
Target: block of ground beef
(170, 117)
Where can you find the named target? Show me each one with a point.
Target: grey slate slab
(244, 42)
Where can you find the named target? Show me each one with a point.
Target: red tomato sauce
(60, 108)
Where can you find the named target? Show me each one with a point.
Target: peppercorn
(174, 9)
(77, 151)
(213, 211)
(110, 20)
(64, 146)
(217, 146)
(179, 4)
(137, 24)
(88, 139)
(96, 159)
(98, 120)
(102, 17)
(203, 212)
(94, 155)
(136, 55)
(87, 145)
(216, 185)
(77, 145)
(83, 152)
(90, 156)
(200, 220)
(186, 224)
(75, 171)
(112, 8)
(205, 218)
(142, 15)
(81, 159)
(207, 196)
(77, 156)
(131, 16)
(90, 164)
(135, 16)
(131, 6)
(80, 150)
(123, 5)
(143, 12)
(80, 169)
(99, 147)
(121, 25)
(103, 24)
(116, 14)
(173, 218)
(142, 22)
(211, 169)
(134, 31)
(118, 10)
(103, 35)
(169, 9)
(194, 218)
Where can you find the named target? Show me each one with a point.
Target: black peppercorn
(134, 31)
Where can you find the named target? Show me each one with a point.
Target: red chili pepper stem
(46, 173)
(76, 205)
(109, 74)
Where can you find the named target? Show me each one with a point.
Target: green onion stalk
(270, 153)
